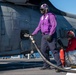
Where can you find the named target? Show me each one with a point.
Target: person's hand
(31, 34)
(65, 47)
(49, 38)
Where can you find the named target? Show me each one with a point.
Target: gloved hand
(31, 34)
(60, 42)
(65, 47)
(49, 38)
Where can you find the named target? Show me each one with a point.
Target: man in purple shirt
(47, 26)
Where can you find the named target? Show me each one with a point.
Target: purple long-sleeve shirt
(47, 24)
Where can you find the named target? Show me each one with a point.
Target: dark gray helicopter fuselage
(15, 20)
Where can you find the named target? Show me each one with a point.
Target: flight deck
(25, 67)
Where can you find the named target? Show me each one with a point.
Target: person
(47, 26)
(70, 51)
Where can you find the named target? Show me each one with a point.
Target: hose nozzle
(31, 37)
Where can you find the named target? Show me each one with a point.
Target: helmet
(44, 6)
(70, 34)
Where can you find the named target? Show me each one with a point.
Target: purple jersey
(47, 24)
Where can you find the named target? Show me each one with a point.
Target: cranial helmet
(70, 34)
(44, 6)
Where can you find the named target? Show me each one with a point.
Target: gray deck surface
(25, 67)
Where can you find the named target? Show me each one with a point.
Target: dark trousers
(45, 51)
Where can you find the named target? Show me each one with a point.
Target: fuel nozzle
(26, 35)
(31, 37)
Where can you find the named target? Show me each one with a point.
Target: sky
(65, 5)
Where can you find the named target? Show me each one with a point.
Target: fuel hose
(51, 64)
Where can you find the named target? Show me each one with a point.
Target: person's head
(70, 35)
(44, 8)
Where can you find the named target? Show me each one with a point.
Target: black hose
(65, 70)
(60, 42)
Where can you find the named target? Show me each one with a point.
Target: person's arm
(60, 42)
(53, 24)
(37, 29)
(71, 46)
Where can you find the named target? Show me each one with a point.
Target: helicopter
(18, 17)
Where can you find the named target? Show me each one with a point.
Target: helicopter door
(5, 33)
